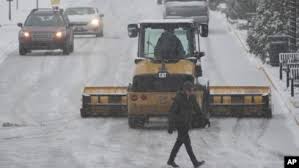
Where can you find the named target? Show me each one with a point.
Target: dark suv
(46, 29)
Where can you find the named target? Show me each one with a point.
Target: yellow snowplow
(156, 81)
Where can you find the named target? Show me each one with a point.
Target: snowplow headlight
(58, 34)
(95, 22)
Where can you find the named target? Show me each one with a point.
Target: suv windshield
(152, 36)
(79, 11)
(183, 0)
(45, 20)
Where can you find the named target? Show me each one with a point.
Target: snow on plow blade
(104, 101)
(234, 101)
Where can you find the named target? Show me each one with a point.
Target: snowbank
(290, 104)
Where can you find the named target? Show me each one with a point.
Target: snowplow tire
(136, 122)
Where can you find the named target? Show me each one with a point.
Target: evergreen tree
(214, 3)
(238, 9)
(271, 19)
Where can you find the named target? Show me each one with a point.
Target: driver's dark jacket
(182, 108)
(169, 47)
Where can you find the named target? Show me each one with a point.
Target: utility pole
(9, 9)
(36, 3)
(17, 4)
(292, 24)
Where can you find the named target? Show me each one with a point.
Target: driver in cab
(169, 46)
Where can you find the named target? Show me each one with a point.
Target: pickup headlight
(95, 22)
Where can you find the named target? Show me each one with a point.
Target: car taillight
(134, 97)
(143, 97)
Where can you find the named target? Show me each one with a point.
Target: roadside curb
(288, 104)
(244, 44)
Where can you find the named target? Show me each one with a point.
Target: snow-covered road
(41, 94)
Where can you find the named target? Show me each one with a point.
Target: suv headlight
(58, 34)
(25, 34)
(95, 22)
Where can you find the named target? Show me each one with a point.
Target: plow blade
(233, 101)
(104, 101)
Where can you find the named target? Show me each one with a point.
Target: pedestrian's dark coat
(180, 114)
(169, 47)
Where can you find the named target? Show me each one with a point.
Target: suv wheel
(72, 46)
(100, 34)
(66, 49)
(22, 50)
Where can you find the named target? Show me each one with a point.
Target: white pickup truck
(197, 10)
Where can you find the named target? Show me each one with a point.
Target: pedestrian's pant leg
(187, 143)
(176, 147)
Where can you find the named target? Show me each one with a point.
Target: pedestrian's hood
(81, 18)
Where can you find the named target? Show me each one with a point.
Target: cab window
(152, 35)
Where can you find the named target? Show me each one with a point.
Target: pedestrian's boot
(198, 164)
(172, 164)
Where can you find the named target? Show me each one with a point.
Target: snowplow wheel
(136, 122)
